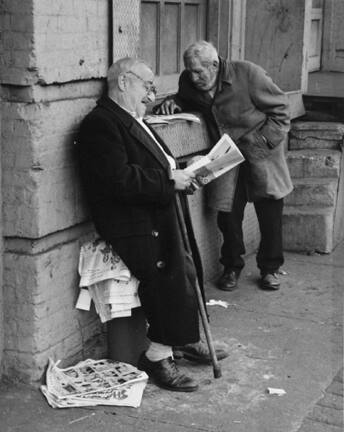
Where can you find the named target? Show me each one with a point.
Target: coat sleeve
(109, 173)
(183, 90)
(180, 97)
(272, 101)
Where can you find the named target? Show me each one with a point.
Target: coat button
(155, 233)
(161, 264)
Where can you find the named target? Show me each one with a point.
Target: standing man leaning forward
(132, 185)
(240, 99)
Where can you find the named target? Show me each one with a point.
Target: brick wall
(53, 58)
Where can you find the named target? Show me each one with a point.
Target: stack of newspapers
(105, 279)
(94, 382)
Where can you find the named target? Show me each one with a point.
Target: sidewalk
(290, 339)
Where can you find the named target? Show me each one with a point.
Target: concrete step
(314, 163)
(314, 192)
(308, 229)
(316, 135)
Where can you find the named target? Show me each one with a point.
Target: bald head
(131, 85)
(121, 67)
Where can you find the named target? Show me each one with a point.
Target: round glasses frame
(149, 86)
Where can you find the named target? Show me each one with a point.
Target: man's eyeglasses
(149, 86)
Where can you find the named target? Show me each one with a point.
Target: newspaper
(110, 283)
(114, 299)
(224, 156)
(165, 119)
(98, 261)
(94, 382)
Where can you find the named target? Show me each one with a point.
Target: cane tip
(217, 372)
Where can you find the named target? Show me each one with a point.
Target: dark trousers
(269, 215)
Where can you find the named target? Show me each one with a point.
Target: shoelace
(173, 373)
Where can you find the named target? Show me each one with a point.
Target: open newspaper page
(94, 382)
(224, 156)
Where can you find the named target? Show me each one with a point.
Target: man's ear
(216, 64)
(122, 81)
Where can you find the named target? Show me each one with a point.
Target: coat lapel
(145, 139)
(160, 141)
(136, 130)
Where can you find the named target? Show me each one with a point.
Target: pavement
(291, 339)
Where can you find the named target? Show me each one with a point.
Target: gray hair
(121, 66)
(203, 50)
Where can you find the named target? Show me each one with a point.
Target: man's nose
(150, 96)
(194, 76)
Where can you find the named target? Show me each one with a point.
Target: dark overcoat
(126, 180)
(254, 111)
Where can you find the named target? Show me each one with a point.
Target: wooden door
(226, 27)
(167, 27)
(333, 41)
(276, 33)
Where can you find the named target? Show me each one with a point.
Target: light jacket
(253, 110)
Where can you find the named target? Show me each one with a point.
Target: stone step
(314, 163)
(312, 135)
(314, 192)
(308, 229)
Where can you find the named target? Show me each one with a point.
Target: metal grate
(126, 28)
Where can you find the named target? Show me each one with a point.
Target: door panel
(170, 39)
(275, 35)
(333, 44)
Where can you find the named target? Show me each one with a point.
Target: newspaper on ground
(221, 303)
(224, 156)
(105, 279)
(275, 391)
(94, 382)
(165, 119)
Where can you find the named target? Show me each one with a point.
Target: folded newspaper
(224, 156)
(164, 119)
(110, 283)
(94, 382)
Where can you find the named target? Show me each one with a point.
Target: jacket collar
(136, 130)
(225, 73)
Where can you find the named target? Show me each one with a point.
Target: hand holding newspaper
(224, 156)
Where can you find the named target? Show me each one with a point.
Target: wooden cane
(206, 327)
(201, 308)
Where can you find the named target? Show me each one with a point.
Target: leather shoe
(228, 281)
(166, 375)
(198, 352)
(270, 281)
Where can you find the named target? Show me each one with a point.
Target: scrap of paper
(221, 303)
(275, 391)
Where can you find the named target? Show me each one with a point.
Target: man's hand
(182, 179)
(167, 107)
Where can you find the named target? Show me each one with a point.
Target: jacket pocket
(138, 252)
(254, 146)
